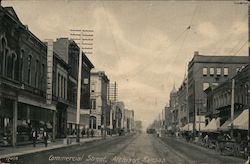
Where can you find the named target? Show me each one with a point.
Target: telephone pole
(78, 36)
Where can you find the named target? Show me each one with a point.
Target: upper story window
(204, 71)
(211, 71)
(93, 103)
(29, 68)
(93, 87)
(225, 71)
(205, 86)
(218, 71)
(36, 73)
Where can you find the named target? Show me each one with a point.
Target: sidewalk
(6, 152)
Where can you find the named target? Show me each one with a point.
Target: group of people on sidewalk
(88, 132)
(45, 137)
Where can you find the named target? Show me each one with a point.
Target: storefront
(6, 121)
(33, 118)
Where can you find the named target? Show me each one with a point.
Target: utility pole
(232, 108)
(78, 36)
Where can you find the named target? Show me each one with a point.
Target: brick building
(205, 71)
(23, 66)
(219, 98)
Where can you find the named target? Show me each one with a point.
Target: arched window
(58, 85)
(43, 77)
(14, 66)
(2, 54)
(37, 73)
(29, 69)
(21, 64)
(9, 66)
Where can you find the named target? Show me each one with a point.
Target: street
(139, 148)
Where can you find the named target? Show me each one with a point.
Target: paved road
(142, 149)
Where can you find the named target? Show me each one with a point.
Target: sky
(142, 45)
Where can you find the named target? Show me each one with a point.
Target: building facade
(205, 71)
(182, 104)
(99, 101)
(68, 51)
(23, 67)
(219, 98)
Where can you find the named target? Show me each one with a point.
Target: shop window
(204, 71)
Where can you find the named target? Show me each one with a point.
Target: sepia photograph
(124, 81)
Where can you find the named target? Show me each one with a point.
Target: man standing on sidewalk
(34, 137)
(45, 138)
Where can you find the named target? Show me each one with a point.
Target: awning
(213, 125)
(241, 122)
(189, 127)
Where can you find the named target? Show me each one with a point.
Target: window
(215, 84)
(21, 64)
(43, 77)
(93, 103)
(205, 86)
(211, 71)
(36, 73)
(85, 81)
(29, 69)
(218, 71)
(225, 72)
(92, 87)
(204, 71)
(62, 87)
(58, 85)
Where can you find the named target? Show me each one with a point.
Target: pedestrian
(92, 133)
(34, 137)
(83, 133)
(45, 138)
(87, 133)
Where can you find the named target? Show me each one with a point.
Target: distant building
(99, 100)
(182, 104)
(128, 120)
(205, 71)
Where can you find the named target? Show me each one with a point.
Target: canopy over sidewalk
(213, 125)
(190, 127)
(240, 122)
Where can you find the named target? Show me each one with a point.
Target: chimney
(196, 53)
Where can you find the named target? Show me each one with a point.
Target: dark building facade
(205, 71)
(23, 66)
(68, 50)
(26, 79)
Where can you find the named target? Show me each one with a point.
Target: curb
(43, 150)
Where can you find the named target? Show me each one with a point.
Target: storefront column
(54, 126)
(14, 128)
